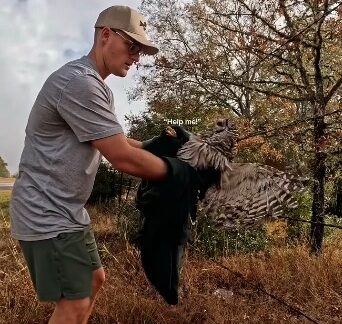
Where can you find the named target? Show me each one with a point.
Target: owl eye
(219, 123)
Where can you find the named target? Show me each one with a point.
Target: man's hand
(168, 142)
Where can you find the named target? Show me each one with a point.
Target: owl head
(224, 124)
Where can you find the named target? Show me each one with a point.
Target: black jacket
(166, 207)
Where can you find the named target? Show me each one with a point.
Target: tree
(251, 58)
(3, 169)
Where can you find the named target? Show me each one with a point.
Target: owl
(246, 193)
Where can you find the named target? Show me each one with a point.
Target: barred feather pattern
(247, 193)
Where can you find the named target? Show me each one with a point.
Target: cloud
(37, 37)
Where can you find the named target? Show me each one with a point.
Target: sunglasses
(133, 47)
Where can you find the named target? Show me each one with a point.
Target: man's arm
(134, 143)
(129, 159)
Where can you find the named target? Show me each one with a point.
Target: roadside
(6, 183)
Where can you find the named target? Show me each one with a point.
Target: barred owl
(247, 193)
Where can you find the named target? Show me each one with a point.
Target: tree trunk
(317, 230)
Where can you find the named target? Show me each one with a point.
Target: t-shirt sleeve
(85, 106)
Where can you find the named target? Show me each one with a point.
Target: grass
(5, 196)
(309, 282)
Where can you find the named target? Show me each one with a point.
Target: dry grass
(311, 283)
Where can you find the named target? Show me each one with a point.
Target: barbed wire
(311, 222)
(258, 286)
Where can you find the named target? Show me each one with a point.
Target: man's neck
(98, 61)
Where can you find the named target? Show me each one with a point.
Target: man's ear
(105, 34)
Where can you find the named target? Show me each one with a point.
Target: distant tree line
(3, 169)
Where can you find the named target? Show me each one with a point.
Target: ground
(309, 282)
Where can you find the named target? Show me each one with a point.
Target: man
(71, 125)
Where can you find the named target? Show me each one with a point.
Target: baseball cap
(128, 21)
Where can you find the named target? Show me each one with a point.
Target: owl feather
(247, 193)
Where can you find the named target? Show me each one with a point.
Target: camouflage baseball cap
(130, 22)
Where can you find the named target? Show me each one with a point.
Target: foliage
(310, 283)
(264, 64)
(144, 126)
(214, 242)
(109, 184)
(3, 169)
(5, 199)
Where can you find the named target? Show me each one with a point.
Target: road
(6, 186)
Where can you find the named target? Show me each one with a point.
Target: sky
(37, 37)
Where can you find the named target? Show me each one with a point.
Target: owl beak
(218, 129)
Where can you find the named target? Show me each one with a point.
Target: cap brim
(148, 47)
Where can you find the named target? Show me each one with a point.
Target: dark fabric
(165, 207)
(164, 145)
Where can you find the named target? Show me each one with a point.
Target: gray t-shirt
(58, 164)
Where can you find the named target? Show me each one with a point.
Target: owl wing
(248, 193)
(207, 153)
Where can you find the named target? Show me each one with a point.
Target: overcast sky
(37, 37)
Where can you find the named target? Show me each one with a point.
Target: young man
(71, 125)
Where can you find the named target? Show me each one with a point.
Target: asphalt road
(6, 186)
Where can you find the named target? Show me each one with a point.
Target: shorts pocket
(91, 246)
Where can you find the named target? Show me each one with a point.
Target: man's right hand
(167, 144)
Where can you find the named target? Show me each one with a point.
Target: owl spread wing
(247, 192)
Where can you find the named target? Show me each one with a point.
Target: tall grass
(312, 283)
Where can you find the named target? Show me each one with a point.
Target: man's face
(117, 52)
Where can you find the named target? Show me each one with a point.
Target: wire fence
(255, 285)
(259, 287)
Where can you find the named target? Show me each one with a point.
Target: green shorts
(62, 267)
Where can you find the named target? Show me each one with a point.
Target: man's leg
(78, 311)
(70, 311)
(66, 269)
(98, 280)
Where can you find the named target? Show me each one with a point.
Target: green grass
(5, 197)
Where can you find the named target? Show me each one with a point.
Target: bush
(214, 242)
(109, 184)
(299, 231)
(104, 189)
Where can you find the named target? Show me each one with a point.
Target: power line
(259, 287)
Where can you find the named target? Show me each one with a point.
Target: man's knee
(99, 277)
